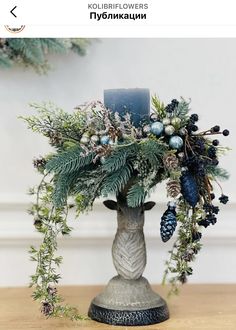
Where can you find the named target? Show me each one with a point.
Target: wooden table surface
(199, 307)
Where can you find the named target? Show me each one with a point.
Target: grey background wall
(201, 69)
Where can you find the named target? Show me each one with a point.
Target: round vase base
(129, 318)
(128, 302)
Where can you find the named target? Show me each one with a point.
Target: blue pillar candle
(135, 101)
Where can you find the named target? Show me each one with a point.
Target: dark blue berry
(215, 129)
(215, 142)
(223, 199)
(196, 236)
(174, 102)
(215, 209)
(211, 218)
(214, 162)
(200, 145)
(207, 207)
(205, 223)
(211, 152)
(212, 196)
(225, 132)
(194, 117)
(194, 128)
(169, 108)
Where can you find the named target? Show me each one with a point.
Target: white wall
(203, 69)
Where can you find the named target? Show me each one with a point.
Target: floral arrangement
(98, 153)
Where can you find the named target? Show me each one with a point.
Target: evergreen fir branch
(29, 52)
(88, 188)
(119, 156)
(63, 184)
(136, 195)
(159, 106)
(53, 45)
(5, 61)
(69, 161)
(32, 52)
(115, 182)
(79, 45)
(153, 152)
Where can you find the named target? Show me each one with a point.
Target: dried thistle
(47, 308)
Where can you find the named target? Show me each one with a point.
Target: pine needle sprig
(64, 183)
(153, 151)
(119, 157)
(136, 195)
(115, 182)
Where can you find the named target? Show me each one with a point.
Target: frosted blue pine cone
(168, 223)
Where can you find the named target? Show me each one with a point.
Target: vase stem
(129, 248)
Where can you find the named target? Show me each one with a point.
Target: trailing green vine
(51, 223)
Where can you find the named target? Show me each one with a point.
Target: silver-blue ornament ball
(176, 142)
(105, 139)
(157, 128)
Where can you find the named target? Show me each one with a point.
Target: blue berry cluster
(210, 218)
(200, 156)
(191, 126)
(170, 108)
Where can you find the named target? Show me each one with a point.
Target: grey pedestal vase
(128, 298)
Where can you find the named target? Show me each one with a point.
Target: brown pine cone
(170, 161)
(173, 188)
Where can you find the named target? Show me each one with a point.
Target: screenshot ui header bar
(123, 17)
